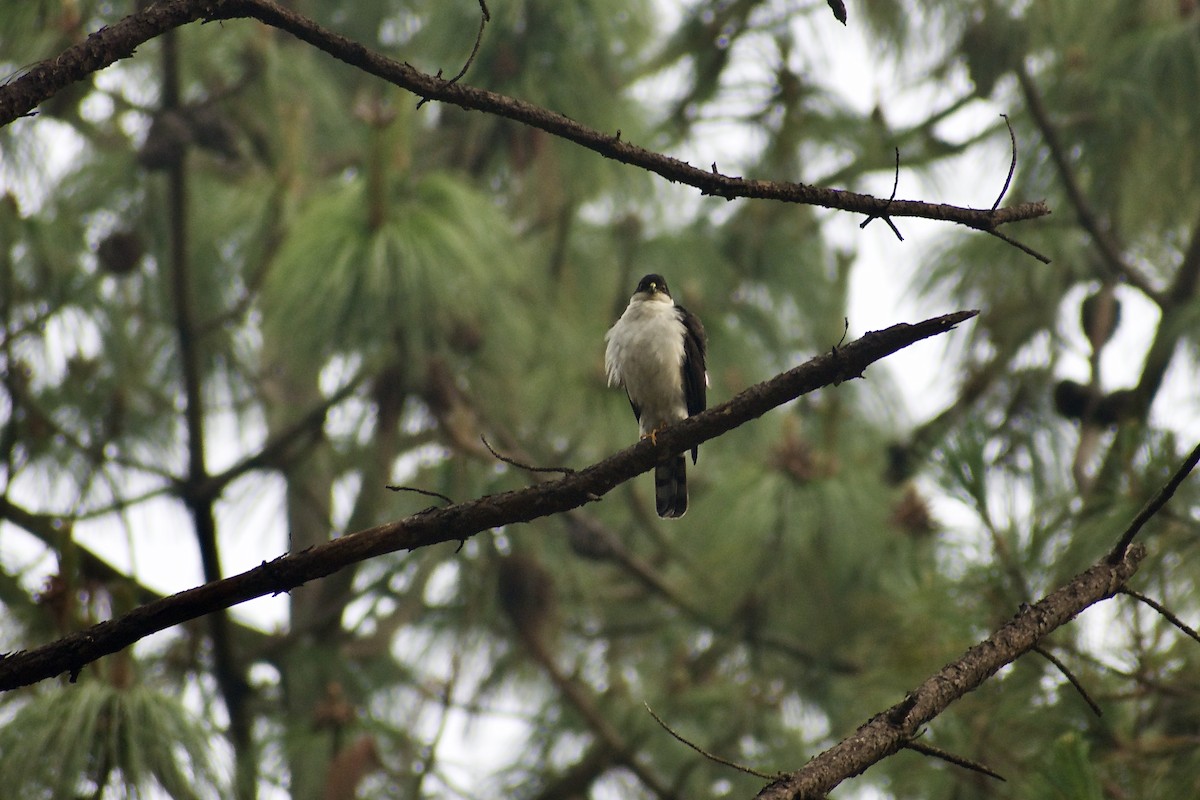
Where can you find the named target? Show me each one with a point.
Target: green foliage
(410, 280)
(1067, 771)
(80, 739)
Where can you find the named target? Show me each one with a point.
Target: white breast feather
(645, 355)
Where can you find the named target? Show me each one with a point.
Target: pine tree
(254, 299)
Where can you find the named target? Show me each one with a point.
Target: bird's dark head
(652, 285)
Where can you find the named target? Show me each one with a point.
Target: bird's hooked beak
(653, 287)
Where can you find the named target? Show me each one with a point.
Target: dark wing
(637, 412)
(695, 376)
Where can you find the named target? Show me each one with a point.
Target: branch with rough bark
(460, 521)
(41, 81)
(895, 728)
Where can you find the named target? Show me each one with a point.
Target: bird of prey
(656, 350)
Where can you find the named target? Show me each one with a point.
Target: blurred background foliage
(243, 287)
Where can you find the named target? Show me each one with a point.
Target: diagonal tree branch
(47, 529)
(896, 728)
(1173, 325)
(1154, 505)
(107, 45)
(893, 729)
(1110, 249)
(1175, 308)
(461, 521)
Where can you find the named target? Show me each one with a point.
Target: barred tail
(670, 487)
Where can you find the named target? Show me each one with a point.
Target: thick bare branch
(460, 521)
(109, 44)
(895, 728)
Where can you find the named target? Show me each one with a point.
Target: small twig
(425, 492)
(706, 754)
(951, 758)
(1070, 676)
(1161, 609)
(1024, 248)
(883, 212)
(1151, 508)
(484, 18)
(519, 465)
(1012, 167)
(895, 230)
(895, 177)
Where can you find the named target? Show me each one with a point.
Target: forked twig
(883, 215)
(1012, 169)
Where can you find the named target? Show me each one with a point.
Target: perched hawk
(656, 351)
